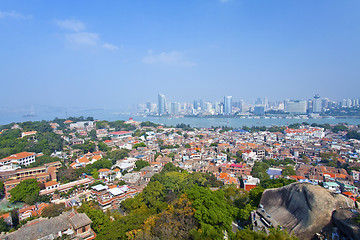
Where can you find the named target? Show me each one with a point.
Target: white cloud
(77, 37)
(109, 46)
(82, 39)
(167, 58)
(13, 14)
(71, 24)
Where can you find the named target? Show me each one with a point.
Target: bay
(192, 121)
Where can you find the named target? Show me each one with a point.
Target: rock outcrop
(303, 209)
(344, 220)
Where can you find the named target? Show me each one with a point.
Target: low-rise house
(249, 182)
(120, 134)
(346, 187)
(23, 158)
(125, 165)
(51, 185)
(85, 182)
(27, 212)
(68, 225)
(274, 172)
(7, 218)
(332, 186)
(131, 178)
(25, 134)
(107, 174)
(146, 170)
(355, 175)
(77, 141)
(111, 197)
(227, 178)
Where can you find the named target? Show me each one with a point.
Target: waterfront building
(296, 106)
(227, 105)
(161, 104)
(174, 108)
(317, 104)
(259, 110)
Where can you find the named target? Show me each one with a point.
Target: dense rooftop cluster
(104, 164)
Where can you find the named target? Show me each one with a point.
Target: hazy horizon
(117, 54)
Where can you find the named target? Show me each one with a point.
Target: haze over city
(117, 54)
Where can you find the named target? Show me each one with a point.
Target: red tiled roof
(120, 132)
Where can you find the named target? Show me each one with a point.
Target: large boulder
(344, 220)
(303, 209)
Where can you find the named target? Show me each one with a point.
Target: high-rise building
(295, 106)
(196, 105)
(259, 110)
(148, 106)
(218, 106)
(174, 108)
(348, 102)
(325, 103)
(317, 104)
(161, 104)
(227, 105)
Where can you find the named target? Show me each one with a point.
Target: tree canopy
(140, 164)
(27, 191)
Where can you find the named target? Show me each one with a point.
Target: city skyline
(229, 106)
(127, 52)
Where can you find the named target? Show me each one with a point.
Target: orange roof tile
(19, 156)
(50, 183)
(83, 160)
(5, 215)
(96, 157)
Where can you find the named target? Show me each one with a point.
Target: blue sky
(115, 54)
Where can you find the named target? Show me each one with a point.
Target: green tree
(2, 189)
(92, 134)
(274, 234)
(118, 154)
(255, 196)
(3, 226)
(95, 173)
(27, 191)
(53, 210)
(140, 164)
(14, 218)
(154, 195)
(103, 147)
(338, 128)
(288, 171)
(97, 216)
(137, 145)
(187, 146)
(212, 211)
(102, 124)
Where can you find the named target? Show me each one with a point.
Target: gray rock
(303, 209)
(343, 219)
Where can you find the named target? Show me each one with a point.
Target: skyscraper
(227, 105)
(317, 104)
(161, 104)
(296, 106)
(174, 108)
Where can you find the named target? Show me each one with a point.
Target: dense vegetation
(27, 191)
(181, 205)
(43, 141)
